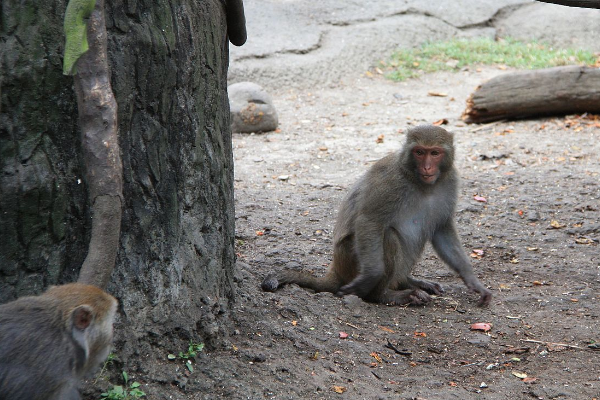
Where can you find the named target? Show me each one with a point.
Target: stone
(251, 108)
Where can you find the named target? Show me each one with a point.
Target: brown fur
(384, 224)
(49, 342)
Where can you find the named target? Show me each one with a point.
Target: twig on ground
(553, 344)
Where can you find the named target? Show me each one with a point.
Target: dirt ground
(533, 242)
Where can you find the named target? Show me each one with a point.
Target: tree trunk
(523, 94)
(168, 58)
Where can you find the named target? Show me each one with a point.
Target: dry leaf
(441, 122)
(477, 253)
(294, 323)
(339, 389)
(437, 94)
(384, 328)
(481, 326)
(519, 374)
(529, 380)
(584, 241)
(376, 356)
(420, 334)
(343, 335)
(480, 199)
(453, 384)
(380, 138)
(556, 225)
(260, 233)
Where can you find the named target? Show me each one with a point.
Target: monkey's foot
(415, 297)
(430, 287)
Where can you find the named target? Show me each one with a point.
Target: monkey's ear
(82, 317)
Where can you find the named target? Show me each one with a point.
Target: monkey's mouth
(428, 178)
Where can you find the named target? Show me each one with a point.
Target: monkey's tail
(328, 283)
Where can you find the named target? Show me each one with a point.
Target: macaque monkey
(49, 342)
(403, 201)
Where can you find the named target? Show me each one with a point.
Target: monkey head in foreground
(49, 342)
(405, 200)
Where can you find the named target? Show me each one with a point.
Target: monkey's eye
(419, 152)
(436, 153)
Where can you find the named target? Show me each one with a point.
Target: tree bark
(551, 91)
(575, 3)
(174, 270)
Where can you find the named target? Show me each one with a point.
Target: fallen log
(525, 94)
(575, 3)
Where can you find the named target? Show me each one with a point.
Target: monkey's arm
(368, 244)
(447, 245)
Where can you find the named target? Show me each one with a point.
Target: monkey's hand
(485, 296)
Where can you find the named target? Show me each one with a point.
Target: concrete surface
(300, 43)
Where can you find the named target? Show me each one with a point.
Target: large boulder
(251, 108)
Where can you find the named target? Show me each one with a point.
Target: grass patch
(458, 53)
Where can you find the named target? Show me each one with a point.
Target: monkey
(48, 343)
(404, 200)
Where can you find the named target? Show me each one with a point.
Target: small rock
(351, 301)
(533, 216)
(251, 108)
(479, 340)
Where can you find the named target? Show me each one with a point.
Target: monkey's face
(428, 160)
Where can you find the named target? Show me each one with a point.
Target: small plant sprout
(109, 360)
(126, 392)
(192, 351)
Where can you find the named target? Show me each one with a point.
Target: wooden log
(551, 91)
(575, 3)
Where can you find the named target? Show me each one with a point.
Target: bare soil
(533, 242)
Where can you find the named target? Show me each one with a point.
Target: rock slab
(251, 108)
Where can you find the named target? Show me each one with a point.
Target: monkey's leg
(428, 286)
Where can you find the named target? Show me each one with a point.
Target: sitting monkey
(403, 201)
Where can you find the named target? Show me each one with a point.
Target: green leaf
(135, 385)
(171, 356)
(137, 393)
(75, 26)
(189, 366)
(125, 377)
